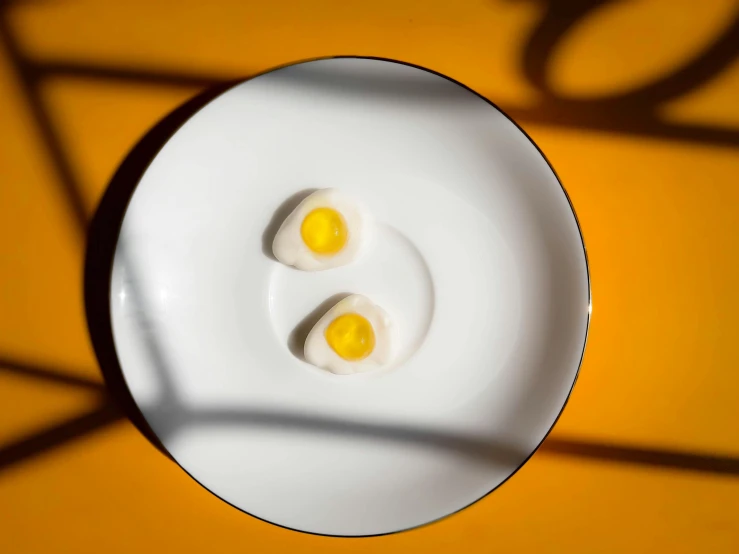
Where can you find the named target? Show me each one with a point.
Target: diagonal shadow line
(53, 375)
(474, 447)
(636, 118)
(29, 83)
(563, 116)
(58, 435)
(159, 76)
(666, 459)
(471, 446)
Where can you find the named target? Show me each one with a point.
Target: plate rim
(90, 297)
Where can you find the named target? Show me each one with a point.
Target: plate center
(393, 274)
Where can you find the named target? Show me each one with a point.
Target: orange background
(646, 455)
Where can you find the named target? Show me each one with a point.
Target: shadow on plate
(102, 237)
(169, 415)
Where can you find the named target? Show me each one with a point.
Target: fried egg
(354, 336)
(327, 229)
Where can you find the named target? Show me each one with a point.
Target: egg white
(290, 249)
(320, 354)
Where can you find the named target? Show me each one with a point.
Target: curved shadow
(558, 19)
(561, 16)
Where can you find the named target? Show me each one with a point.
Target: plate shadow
(102, 237)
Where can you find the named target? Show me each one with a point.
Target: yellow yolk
(324, 231)
(351, 336)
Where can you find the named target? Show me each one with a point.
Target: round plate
(478, 257)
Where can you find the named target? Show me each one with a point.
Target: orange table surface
(636, 104)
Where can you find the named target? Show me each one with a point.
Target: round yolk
(324, 231)
(351, 336)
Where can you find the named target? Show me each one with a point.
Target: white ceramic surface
(478, 257)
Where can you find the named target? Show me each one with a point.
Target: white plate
(479, 258)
